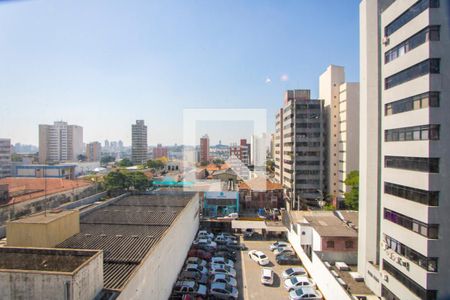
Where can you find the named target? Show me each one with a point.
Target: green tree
(107, 159)
(352, 197)
(138, 181)
(16, 157)
(270, 166)
(155, 164)
(126, 162)
(116, 181)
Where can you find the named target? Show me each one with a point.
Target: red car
(200, 254)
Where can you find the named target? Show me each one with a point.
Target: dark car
(226, 249)
(200, 254)
(226, 254)
(288, 259)
(197, 277)
(239, 247)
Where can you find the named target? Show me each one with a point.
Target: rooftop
(260, 183)
(126, 230)
(41, 259)
(44, 217)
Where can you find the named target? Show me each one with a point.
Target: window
(430, 33)
(416, 133)
(330, 244)
(348, 244)
(427, 230)
(409, 283)
(430, 198)
(421, 164)
(428, 99)
(410, 14)
(429, 66)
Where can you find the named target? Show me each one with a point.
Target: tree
(270, 166)
(352, 198)
(107, 159)
(16, 157)
(81, 157)
(138, 181)
(155, 164)
(218, 161)
(116, 181)
(126, 162)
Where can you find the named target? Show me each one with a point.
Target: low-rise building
(219, 204)
(260, 192)
(49, 171)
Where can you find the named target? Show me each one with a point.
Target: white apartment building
(300, 148)
(259, 149)
(341, 103)
(139, 146)
(404, 158)
(5, 158)
(60, 142)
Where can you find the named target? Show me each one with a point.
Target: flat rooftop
(126, 230)
(44, 217)
(40, 259)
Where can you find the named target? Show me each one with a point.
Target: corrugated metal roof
(126, 230)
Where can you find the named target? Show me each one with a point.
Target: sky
(102, 64)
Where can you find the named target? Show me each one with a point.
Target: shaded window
(428, 66)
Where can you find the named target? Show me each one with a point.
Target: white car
(222, 269)
(206, 243)
(305, 293)
(225, 240)
(196, 268)
(223, 291)
(228, 236)
(196, 261)
(291, 272)
(297, 282)
(279, 244)
(203, 234)
(281, 250)
(221, 260)
(191, 287)
(266, 276)
(259, 257)
(224, 278)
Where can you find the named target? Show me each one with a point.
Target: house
(260, 192)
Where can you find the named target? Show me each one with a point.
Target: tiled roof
(260, 184)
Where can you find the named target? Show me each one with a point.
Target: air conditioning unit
(386, 278)
(385, 40)
(399, 260)
(406, 265)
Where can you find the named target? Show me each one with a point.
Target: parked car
(292, 272)
(205, 243)
(222, 260)
(287, 252)
(193, 276)
(288, 259)
(224, 278)
(221, 290)
(239, 247)
(228, 235)
(305, 293)
(194, 252)
(196, 268)
(223, 240)
(266, 276)
(226, 248)
(281, 250)
(203, 234)
(259, 257)
(226, 254)
(278, 244)
(248, 233)
(297, 282)
(192, 260)
(189, 287)
(222, 269)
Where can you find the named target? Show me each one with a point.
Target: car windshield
(263, 256)
(289, 271)
(294, 280)
(228, 288)
(299, 292)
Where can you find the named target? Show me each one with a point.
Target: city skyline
(87, 70)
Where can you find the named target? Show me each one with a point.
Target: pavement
(249, 279)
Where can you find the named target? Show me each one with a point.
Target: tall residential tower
(139, 147)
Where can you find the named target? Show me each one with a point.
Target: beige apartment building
(404, 228)
(5, 158)
(93, 151)
(341, 104)
(60, 142)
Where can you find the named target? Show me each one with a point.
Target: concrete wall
(326, 282)
(154, 279)
(85, 284)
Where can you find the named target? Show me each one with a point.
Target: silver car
(223, 291)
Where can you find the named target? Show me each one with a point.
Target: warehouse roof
(126, 230)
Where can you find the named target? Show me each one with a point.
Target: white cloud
(268, 80)
(284, 77)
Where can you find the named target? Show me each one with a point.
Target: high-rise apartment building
(60, 142)
(5, 158)
(204, 148)
(259, 149)
(404, 228)
(300, 154)
(341, 103)
(93, 151)
(278, 147)
(139, 142)
(241, 151)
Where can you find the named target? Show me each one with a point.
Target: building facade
(204, 148)
(259, 150)
(341, 103)
(241, 151)
(278, 147)
(159, 151)
(139, 142)
(5, 158)
(93, 151)
(404, 225)
(302, 147)
(60, 142)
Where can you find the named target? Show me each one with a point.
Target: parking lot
(251, 287)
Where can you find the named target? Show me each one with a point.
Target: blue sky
(103, 64)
